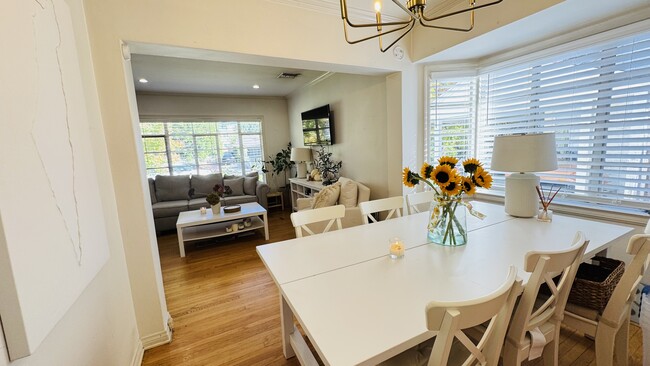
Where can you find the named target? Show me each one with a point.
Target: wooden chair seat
(611, 328)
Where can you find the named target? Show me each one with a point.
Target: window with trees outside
(595, 99)
(202, 147)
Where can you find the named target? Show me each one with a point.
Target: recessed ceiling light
(143, 80)
(256, 86)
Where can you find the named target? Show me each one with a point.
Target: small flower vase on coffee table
(216, 209)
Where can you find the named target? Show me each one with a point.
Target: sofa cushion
(169, 208)
(203, 184)
(348, 196)
(172, 188)
(152, 191)
(236, 200)
(250, 184)
(196, 203)
(236, 185)
(328, 196)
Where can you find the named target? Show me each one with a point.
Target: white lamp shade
(299, 154)
(524, 153)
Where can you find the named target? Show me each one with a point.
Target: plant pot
(216, 209)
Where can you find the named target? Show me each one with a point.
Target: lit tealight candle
(396, 248)
(203, 210)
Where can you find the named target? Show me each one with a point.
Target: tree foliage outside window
(180, 148)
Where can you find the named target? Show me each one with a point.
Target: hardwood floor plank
(226, 310)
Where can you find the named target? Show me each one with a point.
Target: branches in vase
(546, 199)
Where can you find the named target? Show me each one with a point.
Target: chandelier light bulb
(377, 6)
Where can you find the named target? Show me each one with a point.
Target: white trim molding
(138, 354)
(157, 339)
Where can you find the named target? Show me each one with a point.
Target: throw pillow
(203, 184)
(250, 184)
(172, 188)
(349, 194)
(236, 185)
(327, 197)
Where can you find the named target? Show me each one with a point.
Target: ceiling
(182, 75)
(188, 75)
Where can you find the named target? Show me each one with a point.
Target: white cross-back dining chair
(452, 346)
(331, 214)
(610, 329)
(394, 206)
(415, 201)
(535, 327)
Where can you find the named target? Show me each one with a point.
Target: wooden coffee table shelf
(215, 230)
(192, 225)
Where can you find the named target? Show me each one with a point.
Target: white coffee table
(192, 225)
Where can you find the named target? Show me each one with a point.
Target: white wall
(272, 111)
(426, 42)
(358, 105)
(257, 28)
(99, 328)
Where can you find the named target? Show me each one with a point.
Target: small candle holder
(203, 210)
(546, 215)
(396, 248)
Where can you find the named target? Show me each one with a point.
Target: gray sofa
(170, 195)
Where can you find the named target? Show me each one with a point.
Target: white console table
(301, 188)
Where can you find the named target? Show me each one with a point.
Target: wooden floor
(225, 306)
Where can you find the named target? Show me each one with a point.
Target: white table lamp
(300, 155)
(523, 154)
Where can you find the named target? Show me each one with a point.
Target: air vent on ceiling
(288, 75)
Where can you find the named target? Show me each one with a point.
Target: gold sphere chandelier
(416, 12)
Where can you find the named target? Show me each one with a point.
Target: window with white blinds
(596, 100)
(452, 110)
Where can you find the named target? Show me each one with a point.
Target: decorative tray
(231, 209)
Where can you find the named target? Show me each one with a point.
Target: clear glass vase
(447, 222)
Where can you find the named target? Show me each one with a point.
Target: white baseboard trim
(138, 354)
(156, 339)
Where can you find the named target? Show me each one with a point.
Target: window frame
(514, 58)
(198, 119)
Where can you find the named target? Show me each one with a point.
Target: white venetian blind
(452, 110)
(596, 100)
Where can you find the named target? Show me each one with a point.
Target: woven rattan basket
(595, 283)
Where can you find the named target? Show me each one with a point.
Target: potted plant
(280, 164)
(214, 197)
(328, 168)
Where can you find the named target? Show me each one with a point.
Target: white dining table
(360, 307)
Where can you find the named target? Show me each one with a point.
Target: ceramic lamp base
(301, 170)
(521, 196)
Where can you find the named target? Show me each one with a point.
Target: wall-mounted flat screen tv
(318, 126)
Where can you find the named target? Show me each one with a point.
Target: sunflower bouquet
(447, 224)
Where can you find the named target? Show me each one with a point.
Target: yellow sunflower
(470, 165)
(426, 171)
(448, 160)
(442, 175)
(454, 187)
(482, 178)
(409, 179)
(468, 186)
